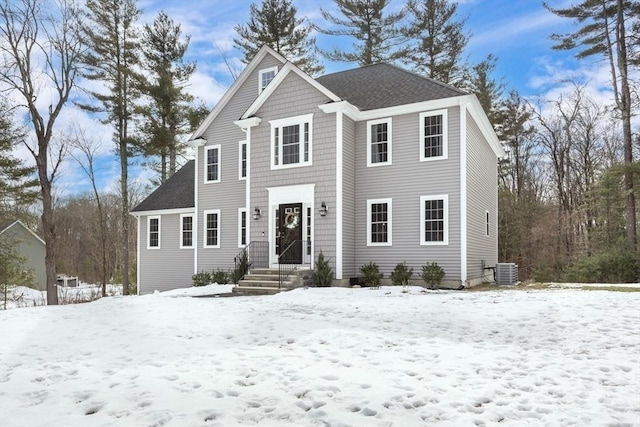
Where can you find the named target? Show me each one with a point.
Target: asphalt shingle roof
(174, 193)
(385, 85)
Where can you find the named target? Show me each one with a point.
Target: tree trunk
(48, 225)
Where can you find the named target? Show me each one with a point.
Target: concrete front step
(264, 283)
(265, 277)
(256, 290)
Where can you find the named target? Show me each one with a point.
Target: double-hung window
(433, 135)
(379, 142)
(212, 156)
(434, 220)
(291, 141)
(379, 222)
(186, 231)
(153, 231)
(265, 77)
(242, 165)
(242, 227)
(211, 236)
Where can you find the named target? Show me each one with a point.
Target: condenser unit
(506, 273)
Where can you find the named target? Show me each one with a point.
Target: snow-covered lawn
(339, 357)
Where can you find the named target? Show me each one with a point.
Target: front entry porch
(267, 281)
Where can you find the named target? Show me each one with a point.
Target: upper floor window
(212, 229)
(265, 77)
(379, 142)
(186, 231)
(242, 155)
(434, 220)
(212, 163)
(379, 222)
(153, 228)
(291, 141)
(433, 135)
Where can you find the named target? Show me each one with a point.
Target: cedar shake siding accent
(482, 197)
(229, 194)
(405, 181)
(168, 267)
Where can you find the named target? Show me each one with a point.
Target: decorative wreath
(291, 220)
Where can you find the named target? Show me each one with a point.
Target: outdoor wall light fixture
(323, 209)
(256, 213)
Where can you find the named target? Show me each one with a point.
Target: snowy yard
(339, 357)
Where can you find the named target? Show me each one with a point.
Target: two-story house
(375, 164)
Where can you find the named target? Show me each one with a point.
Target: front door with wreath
(290, 232)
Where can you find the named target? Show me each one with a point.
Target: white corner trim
(195, 215)
(463, 193)
(339, 201)
(138, 260)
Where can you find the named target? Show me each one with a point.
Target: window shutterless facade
(379, 142)
(186, 231)
(153, 232)
(242, 156)
(433, 135)
(434, 220)
(212, 157)
(242, 227)
(265, 76)
(291, 142)
(211, 238)
(379, 222)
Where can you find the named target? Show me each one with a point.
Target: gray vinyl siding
(482, 196)
(405, 181)
(295, 97)
(168, 267)
(349, 268)
(230, 193)
(31, 249)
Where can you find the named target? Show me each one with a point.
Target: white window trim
(240, 212)
(445, 206)
(389, 203)
(206, 155)
(370, 123)
(182, 231)
(445, 135)
(240, 145)
(290, 121)
(265, 71)
(204, 228)
(149, 218)
(487, 223)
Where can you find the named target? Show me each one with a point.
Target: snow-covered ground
(332, 356)
(22, 296)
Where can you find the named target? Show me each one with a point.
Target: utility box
(506, 273)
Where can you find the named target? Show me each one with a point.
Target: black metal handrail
(257, 256)
(285, 269)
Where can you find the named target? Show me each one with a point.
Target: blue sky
(516, 31)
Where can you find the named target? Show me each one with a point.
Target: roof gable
(10, 224)
(177, 192)
(384, 85)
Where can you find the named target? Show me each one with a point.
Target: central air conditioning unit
(506, 273)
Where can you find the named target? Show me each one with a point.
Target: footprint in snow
(330, 377)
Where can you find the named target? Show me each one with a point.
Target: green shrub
(201, 279)
(220, 277)
(401, 274)
(241, 269)
(432, 275)
(617, 266)
(371, 274)
(323, 274)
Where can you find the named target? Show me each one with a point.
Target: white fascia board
(264, 50)
(481, 119)
(25, 227)
(275, 83)
(248, 123)
(163, 212)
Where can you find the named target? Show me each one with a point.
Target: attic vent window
(265, 77)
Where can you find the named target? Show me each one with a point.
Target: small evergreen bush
(220, 277)
(371, 274)
(322, 274)
(617, 266)
(201, 279)
(241, 269)
(432, 275)
(401, 274)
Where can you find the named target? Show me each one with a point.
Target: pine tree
(18, 188)
(604, 33)
(167, 114)
(378, 36)
(275, 24)
(112, 56)
(488, 90)
(438, 40)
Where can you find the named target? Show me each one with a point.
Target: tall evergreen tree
(40, 52)
(276, 25)
(18, 187)
(488, 89)
(603, 32)
(378, 36)
(437, 39)
(167, 114)
(112, 55)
